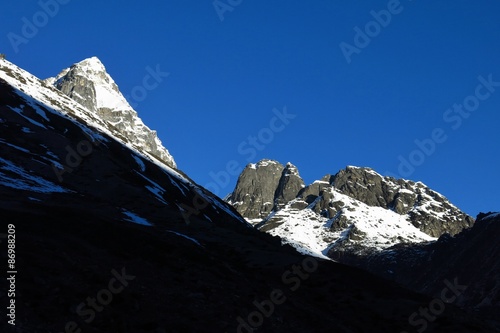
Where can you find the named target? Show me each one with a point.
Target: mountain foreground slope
(473, 256)
(112, 239)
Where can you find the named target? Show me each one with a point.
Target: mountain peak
(290, 170)
(264, 186)
(92, 63)
(266, 162)
(255, 192)
(353, 168)
(89, 84)
(289, 185)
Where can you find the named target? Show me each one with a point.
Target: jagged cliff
(354, 210)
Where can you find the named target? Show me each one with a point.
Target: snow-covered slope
(356, 227)
(39, 92)
(88, 83)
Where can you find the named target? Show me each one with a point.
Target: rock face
(254, 195)
(354, 211)
(289, 185)
(88, 83)
(428, 210)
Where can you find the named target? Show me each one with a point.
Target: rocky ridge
(354, 211)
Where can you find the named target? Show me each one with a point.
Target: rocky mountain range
(355, 210)
(111, 237)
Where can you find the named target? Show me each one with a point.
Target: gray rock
(289, 185)
(427, 210)
(364, 186)
(255, 190)
(78, 88)
(313, 191)
(264, 187)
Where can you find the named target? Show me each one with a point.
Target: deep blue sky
(227, 76)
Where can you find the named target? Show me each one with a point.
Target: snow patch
(24, 180)
(312, 234)
(139, 162)
(491, 216)
(134, 218)
(184, 236)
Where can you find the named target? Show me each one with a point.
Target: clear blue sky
(227, 76)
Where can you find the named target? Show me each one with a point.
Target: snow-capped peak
(291, 170)
(88, 83)
(107, 93)
(266, 162)
(92, 63)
